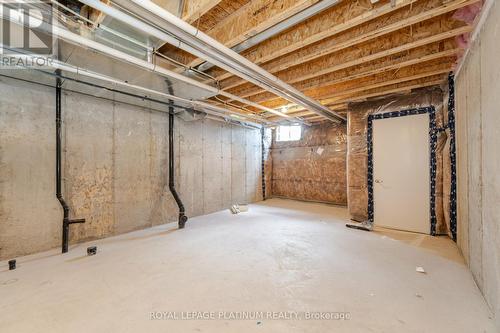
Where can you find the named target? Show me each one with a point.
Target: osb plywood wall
(313, 168)
(357, 191)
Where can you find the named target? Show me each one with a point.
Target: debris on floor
(365, 226)
(420, 269)
(236, 209)
(92, 250)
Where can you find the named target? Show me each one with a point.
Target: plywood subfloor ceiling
(352, 51)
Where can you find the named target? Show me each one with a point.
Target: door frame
(432, 147)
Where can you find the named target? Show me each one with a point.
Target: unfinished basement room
(234, 166)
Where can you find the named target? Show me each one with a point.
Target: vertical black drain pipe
(263, 161)
(64, 205)
(171, 162)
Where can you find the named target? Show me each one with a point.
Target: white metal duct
(156, 21)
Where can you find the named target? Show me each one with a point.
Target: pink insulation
(467, 14)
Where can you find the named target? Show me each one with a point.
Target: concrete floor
(282, 258)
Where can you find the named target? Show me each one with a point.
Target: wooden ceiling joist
(368, 69)
(403, 87)
(292, 49)
(204, 20)
(394, 88)
(339, 18)
(312, 118)
(403, 59)
(293, 109)
(300, 114)
(195, 9)
(249, 20)
(375, 81)
(397, 42)
(416, 32)
(401, 75)
(395, 45)
(350, 51)
(398, 88)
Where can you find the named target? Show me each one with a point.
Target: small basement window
(289, 133)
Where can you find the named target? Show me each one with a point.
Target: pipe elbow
(182, 220)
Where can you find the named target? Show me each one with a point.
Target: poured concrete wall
(313, 168)
(115, 164)
(478, 160)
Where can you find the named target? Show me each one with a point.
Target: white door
(401, 186)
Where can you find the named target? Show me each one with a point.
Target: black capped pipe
(171, 162)
(92, 250)
(263, 161)
(64, 205)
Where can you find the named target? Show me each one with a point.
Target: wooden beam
(445, 56)
(95, 15)
(315, 117)
(293, 109)
(440, 50)
(242, 112)
(375, 81)
(361, 59)
(310, 44)
(303, 112)
(299, 114)
(396, 62)
(404, 87)
(195, 9)
(216, 14)
(396, 77)
(391, 89)
(442, 56)
(342, 17)
(251, 19)
(401, 87)
(391, 44)
(317, 122)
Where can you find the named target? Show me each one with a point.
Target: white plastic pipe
(288, 92)
(79, 40)
(206, 107)
(152, 31)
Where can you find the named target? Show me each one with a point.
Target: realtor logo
(26, 28)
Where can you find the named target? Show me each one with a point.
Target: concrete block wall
(478, 160)
(115, 165)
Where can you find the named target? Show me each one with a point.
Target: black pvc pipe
(453, 156)
(263, 162)
(64, 205)
(171, 161)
